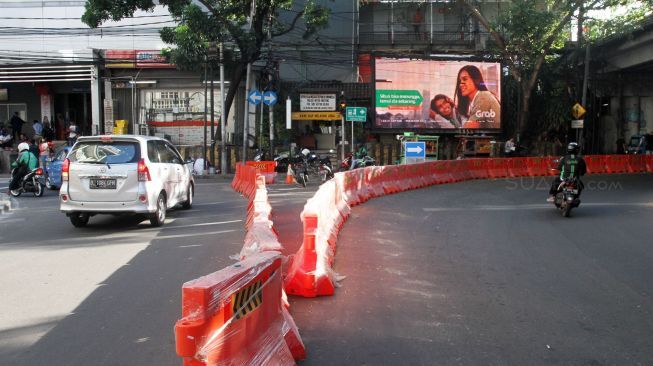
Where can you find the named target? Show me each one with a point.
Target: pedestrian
(16, 126)
(38, 128)
(509, 147)
(48, 132)
(418, 18)
(5, 139)
(72, 133)
(44, 152)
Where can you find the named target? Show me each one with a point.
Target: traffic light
(342, 104)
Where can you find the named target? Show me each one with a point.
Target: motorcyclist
(358, 157)
(25, 163)
(570, 165)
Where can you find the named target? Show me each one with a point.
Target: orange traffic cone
(289, 175)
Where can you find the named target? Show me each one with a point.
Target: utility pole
(213, 53)
(206, 107)
(249, 71)
(223, 117)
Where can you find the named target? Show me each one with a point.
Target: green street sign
(386, 98)
(356, 114)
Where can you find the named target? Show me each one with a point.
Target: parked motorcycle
(568, 195)
(31, 182)
(299, 166)
(325, 168)
(346, 164)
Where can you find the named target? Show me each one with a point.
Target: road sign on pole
(270, 98)
(356, 114)
(254, 97)
(577, 111)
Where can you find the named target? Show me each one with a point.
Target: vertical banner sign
(288, 114)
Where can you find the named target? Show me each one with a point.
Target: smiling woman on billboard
(476, 104)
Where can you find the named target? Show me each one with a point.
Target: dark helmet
(573, 148)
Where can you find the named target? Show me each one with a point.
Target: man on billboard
(476, 104)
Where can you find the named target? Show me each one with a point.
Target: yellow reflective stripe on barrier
(247, 299)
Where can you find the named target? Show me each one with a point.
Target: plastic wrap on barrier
(236, 317)
(260, 237)
(374, 181)
(311, 271)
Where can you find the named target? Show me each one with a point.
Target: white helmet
(23, 146)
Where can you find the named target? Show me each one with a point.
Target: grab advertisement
(439, 95)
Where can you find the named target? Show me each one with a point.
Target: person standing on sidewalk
(16, 126)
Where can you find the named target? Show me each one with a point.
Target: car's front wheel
(79, 219)
(159, 216)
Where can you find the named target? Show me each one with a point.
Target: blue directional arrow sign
(254, 97)
(270, 98)
(415, 149)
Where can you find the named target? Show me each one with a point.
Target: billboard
(439, 95)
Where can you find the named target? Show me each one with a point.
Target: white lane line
(202, 224)
(531, 207)
(215, 203)
(196, 234)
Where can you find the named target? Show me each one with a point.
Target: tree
(528, 33)
(202, 22)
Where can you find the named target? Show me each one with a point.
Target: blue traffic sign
(415, 149)
(270, 98)
(254, 97)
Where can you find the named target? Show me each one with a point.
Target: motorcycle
(346, 164)
(567, 196)
(31, 182)
(325, 168)
(299, 167)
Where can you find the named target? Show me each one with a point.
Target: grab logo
(486, 114)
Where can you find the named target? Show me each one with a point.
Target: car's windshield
(105, 152)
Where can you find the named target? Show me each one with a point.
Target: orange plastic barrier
(236, 317)
(616, 163)
(517, 167)
(478, 168)
(266, 168)
(595, 164)
(497, 168)
(310, 272)
(637, 163)
(538, 166)
(648, 160)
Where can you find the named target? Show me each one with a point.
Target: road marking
(202, 224)
(532, 207)
(196, 234)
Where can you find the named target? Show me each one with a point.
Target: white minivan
(121, 174)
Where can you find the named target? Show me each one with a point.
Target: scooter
(325, 169)
(31, 182)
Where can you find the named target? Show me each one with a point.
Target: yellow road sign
(577, 111)
(316, 116)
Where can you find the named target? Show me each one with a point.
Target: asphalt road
(487, 273)
(475, 273)
(108, 294)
